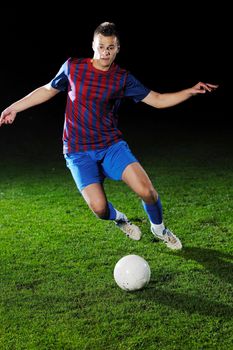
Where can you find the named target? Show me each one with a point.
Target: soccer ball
(132, 272)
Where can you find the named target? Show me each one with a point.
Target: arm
(38, 96)
(165, 100)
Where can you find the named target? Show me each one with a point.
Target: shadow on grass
(188, 303)
(219, 264)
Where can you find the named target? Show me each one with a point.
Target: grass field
(57, 259)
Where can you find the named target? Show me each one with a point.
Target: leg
(89, 178)
(95, 197)
(137, 179)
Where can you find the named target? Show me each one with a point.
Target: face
(105, 51)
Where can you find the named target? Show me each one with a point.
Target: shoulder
(75, 60)
(117, 69)
(131, 79)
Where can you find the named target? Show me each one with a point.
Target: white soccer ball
(132, 272)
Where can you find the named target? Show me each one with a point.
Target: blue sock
(112, 212)
(154, 212)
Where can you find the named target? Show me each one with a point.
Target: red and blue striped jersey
(93, 99)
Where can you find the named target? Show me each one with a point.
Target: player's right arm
(36, 97)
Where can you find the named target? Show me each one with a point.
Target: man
(93, 145)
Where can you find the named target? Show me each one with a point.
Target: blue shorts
(94, 166)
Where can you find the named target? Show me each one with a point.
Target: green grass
(57, 259)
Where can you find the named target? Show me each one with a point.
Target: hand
(201, 88)
(7, 116)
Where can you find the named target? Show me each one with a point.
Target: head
(106, 45)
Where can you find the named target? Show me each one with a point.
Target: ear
(118, 48)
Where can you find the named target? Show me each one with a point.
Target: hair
(107, 29)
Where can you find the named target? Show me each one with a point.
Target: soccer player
(93, 146)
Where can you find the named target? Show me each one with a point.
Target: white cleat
(169, 239)
(132, 231)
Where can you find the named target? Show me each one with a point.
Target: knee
(149, 195)
(100, 210)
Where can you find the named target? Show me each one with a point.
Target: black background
(168, 46)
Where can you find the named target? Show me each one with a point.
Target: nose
(106, 52)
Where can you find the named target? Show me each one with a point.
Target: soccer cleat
(169, 238)
(132, 231)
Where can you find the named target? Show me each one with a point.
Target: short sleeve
(60, 81)
(135, 89)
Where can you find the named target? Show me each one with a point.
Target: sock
(158, 229)
(154, 212)
(155, 215)
(114, 214)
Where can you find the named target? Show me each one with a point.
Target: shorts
(94, 166)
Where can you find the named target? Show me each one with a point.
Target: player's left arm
(164, 100)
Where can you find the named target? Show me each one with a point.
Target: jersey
(93, 100)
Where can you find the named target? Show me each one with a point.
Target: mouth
(105, 58)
